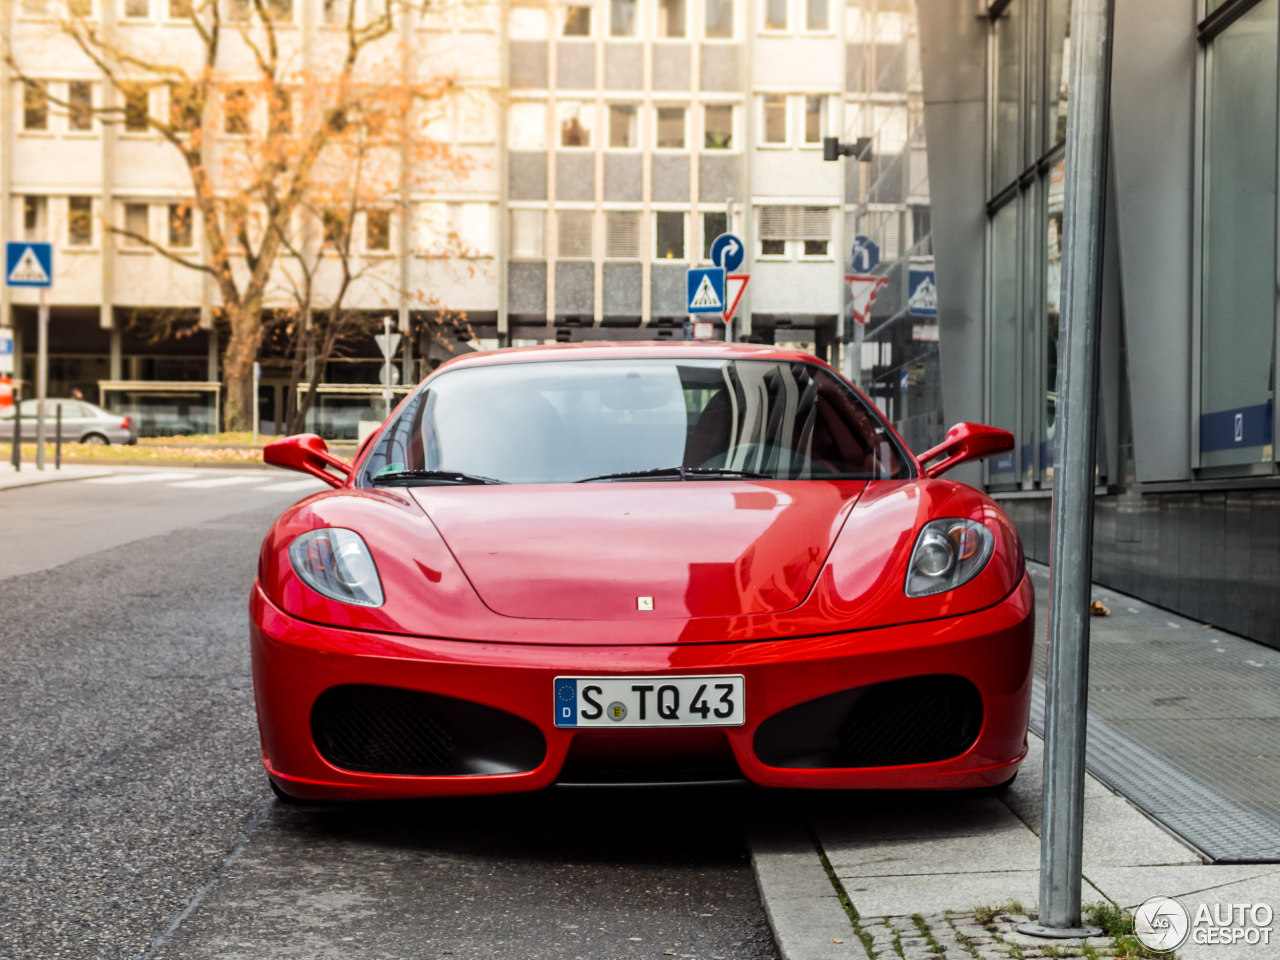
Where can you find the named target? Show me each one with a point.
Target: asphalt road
(135, 820)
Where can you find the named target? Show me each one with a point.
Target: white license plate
(650, 701)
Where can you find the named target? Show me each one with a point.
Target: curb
(799, 901)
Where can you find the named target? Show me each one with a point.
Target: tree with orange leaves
(267, 130)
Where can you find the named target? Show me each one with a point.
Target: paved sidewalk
(1205, 700)
(943, 875)
(29, 475)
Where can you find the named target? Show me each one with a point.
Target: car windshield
(570, 421)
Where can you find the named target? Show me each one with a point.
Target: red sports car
(647, 563)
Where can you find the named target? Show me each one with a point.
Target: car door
(75, 420)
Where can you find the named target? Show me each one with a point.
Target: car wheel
(95, 440)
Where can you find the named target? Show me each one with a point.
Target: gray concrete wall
(527, 282)
(528, 64)
(1152, 113)
(671, 177)
(671, 66)
(953, 57)
(622, 289)
(527, 175)
(575, 176)
(623, 177)
(623, 66)
(575, 287)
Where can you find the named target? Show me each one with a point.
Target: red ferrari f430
(647, 563)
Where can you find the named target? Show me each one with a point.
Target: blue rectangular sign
(28, 264)
(922, 293)
(705, 286)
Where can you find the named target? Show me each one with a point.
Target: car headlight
(948, 553)
(337, 563)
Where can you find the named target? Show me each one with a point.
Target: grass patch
(845, 902)
(1117, 924)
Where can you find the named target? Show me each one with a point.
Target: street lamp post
(1071, 538)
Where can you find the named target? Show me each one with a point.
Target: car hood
(591, 551)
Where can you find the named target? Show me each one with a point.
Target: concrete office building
(1188, 509)
(611, 142)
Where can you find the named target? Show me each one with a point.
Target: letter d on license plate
(650, 701)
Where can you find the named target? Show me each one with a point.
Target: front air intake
(891, 724)
(390, 730)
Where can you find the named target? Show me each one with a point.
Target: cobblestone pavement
(962, 936)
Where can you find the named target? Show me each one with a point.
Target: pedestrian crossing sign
(28, 264)
(705, 286)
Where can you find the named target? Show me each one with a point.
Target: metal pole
(17, 426)
(57, 441)
(386, 367)
(42, 372)
(257, 376)
(1071, 537)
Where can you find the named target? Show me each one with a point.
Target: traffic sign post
(728, 252)
(387, 343)
(30, 264)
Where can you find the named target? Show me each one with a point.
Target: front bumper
(294, 662)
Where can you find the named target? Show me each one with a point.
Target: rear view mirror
(965, 442)
(309, 454)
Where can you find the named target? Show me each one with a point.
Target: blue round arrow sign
(727, 251)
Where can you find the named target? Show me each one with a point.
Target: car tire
(95, 440)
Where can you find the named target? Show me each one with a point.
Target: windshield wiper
(680, 473)
(438, 476)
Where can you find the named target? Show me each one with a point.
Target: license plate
(650, 701)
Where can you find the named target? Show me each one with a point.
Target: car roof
(631, 350)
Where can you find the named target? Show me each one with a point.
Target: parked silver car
(81, 423)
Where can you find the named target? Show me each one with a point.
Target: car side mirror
(309, 454)
(965, 442)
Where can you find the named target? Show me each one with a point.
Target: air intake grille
(371, 729)
(916, 720)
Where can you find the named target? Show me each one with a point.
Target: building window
(79, 105)
(713, 224)
(775, 118)
(137, 226)
(137, 108)
(35, 105)
(622, 126)
(575, 124)
(718, 127)
(817, 16)
(671, 128)
(669, 235)
(280, 11)
(809, 227)
(377, 231)
(181, 9)
(184, 107)
(235, 108)
(622, 234)
(671, 19)
(180, 225)
(281, 108)
(79, 221)
(720, 19)
(622, 18)
(577, 22)
(527, 234)
(1059, 55)
(575, 234)
(137, 9)
(238, 11)
(1003, 333)
(35, 217)
(1239, 241)
(775, 14)
(1006, 159)
(814, 110)
(335, 12)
